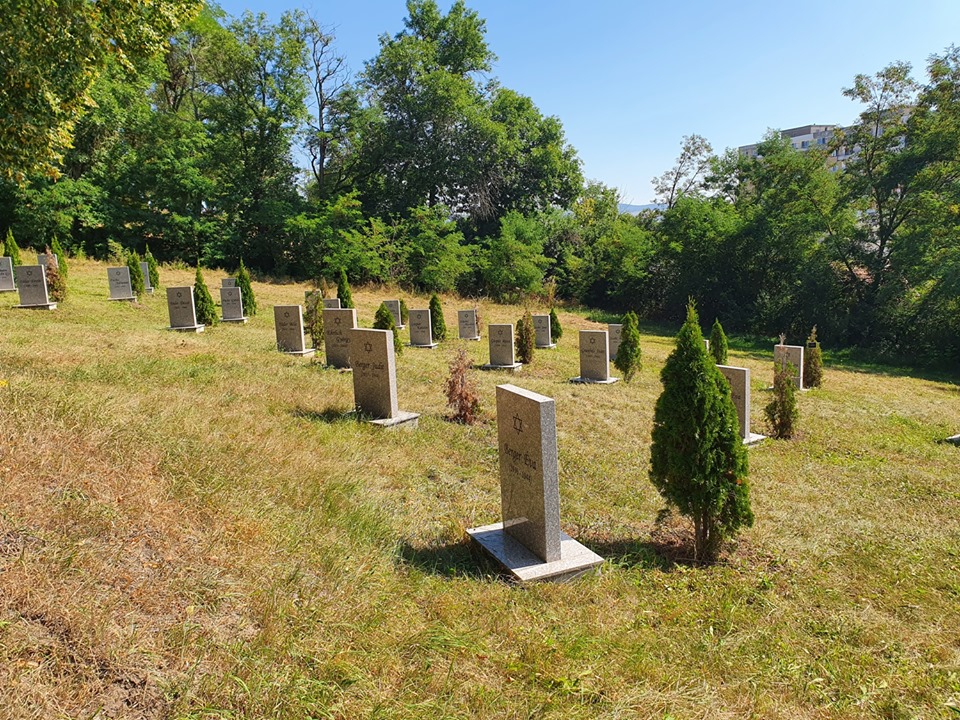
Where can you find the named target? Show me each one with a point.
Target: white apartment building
(807, 136)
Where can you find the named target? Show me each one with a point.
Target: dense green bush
(11, 249)
(343, 290)
(812, 361)
(247, 298)
(136, 275)
(628, 359)
(383, 320)
(404, 312)
(718, 343)
(526, 341)
(57, 249)
(782, 410)
(206, 309)
(437, 323)
(556, 330)
(313, 317)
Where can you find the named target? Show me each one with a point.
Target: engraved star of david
(518, 423)
(367, 347)
(336, 321)
(593, 341)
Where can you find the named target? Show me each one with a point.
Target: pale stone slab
(32, 286)
(502, 349)
(375, 377)
(394, 307)
(6, 275)
(467, 325)
(575, 559)
(421, 329)
(42, 260)
(121, 287)
(145, 269)
(792, 354)
(337, 324)
(706, 344)
(615, 334)
(541, 326)
(953, 440)
(228, 282)
(739, 379)
(288, 321)
(231, 304)
(183, 312)
(594, 358)
(331, 303)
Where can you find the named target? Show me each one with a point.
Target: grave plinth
(375, 379)
(32, 286)
(594, 359)
(502, 348)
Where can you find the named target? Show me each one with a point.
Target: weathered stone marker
(615, 334)
(231, 304)
(121, 288)
(541, 327)
(42, 260)
(467, 325)
(421, 329)
(594, 358)
(6, 275)
(502, 348)
(739, 379)
(32, 285)
(792, 354)
(337, 324)
(394, 307)
(145, 269)
(228, 282)
(375, 378)
(529, 542)
(183, 313)
(331, 303)
(288, 321)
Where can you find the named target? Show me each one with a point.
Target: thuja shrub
(437, 324)
(629, 358)
(343, 290)
(56, 282)
(812, 362)
(404, 312)
(718, 343)
(525, 342)
(153, 269)
(136, 275)
(556, 330)
(462, 396)
(782, 410)
(383, 320)
(11, 249)
(247, 297)
(206, 309)
(57, 249)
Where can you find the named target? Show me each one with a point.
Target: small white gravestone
(739, 379)
(394, 307)
(541, 326)
(42, 260)
(337, 324)
(183, 312)
(706, 344)
(502, 348)
(529, 543)
(594, 358)
(331, 303)
(421, 329)
(375, 378)
(228, 282)
(615, 334)
(790, 355)
(231, 304)
(32, 286)
(145, 269)
(288, 320)
(6, 275)
(467, 325)
(121, 288)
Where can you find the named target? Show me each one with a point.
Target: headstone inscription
(32, 285)
(145, 269)
(375, 378)
(502, 348)
(541, 328)
(231, 304)
(6, 275)
(467, 325)
(183, 312)
(529, 542)
(331, 303)
(790, 355)
(614, 333)
(594, 358)
(337, 324)
(739, 379)
(394, 307)
(120, 286)
(228, 282)
(288, 321)
(421, 329)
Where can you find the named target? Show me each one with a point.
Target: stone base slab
(189, 328)
(592, 381)
(44, 306)
(431, 346)
(754, 439)
(300, 353)
(3, 290)
(546, 347)
(953, 440)
(132, 298)
(473, 339)
(242, 320)
(575, 559)
(509, 368)
(404, 419)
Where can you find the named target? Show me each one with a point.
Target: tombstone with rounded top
(502, 348)
(739, 380)
(6, 275)
(121, 288)
(337, 324)
(32, 286)
(375, 378)
(541, 328)
(421, 329)
(231, 304)
(288, 321)
(467, 325)
(594, 358)
(183, 312)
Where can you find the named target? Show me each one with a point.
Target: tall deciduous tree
(687, 175)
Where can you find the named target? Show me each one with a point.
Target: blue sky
(629, 79)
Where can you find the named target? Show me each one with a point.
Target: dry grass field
(190, 527)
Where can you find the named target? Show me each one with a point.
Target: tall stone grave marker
(183, 312)
(394, 307)
(121, 288)
(421, 329)
(145, 269)
(6, 275)
(792, 354)
(541, 327)
(42, 260)
(228, 282)
(502, 348)
(32, 284)
(594, 358)
(739, 379)
(614, 333)
(529, 542)
(375, 378)
(288, 321)
(331, 303)
(231, 304)
(467, 325)
(337, 324)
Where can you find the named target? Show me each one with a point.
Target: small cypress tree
(11, 249)
(154, 271)
(57, 249)
(718, 343)
(247, 297)
(782, 410)
(343, 290)
(812, 361)
(383, 320)
(629, 358)
(56, 283)
(437, 323)
(526, 339)
(404, 312)
(556, 330)
(697, 460)
(206, 310)
(136, 274)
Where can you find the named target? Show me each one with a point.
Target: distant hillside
(635, 209)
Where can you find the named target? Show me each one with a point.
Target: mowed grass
(190, 528)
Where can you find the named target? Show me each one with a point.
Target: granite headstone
(228, 282)
(394, 307)
(375, 378)
(594, 358)
(147, 286)
(183, 312)
(467, 325)
(792, 355)
(739, 379)
(502, 348)
(541, 327)
(331, 303)
(337, 324)
(121, 288)
(231, 304)
(288, 321)
(614, 333)
(421, 330)
(6, 275)
(32, 286)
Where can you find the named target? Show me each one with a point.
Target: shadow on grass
(327, 415)
(452, 560)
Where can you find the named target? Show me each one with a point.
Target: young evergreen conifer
(782, 410)
(206, 310)
(153, 270)
(247, 297)
(718, 343)
(556, 330)
(404, 312)
(383, 320)
(697, 460)
(57, 249)
(11, 249)
(812, 362)
(437, 324)
(343, 290)
(526, 340)
(136, 274)
(628, 359)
